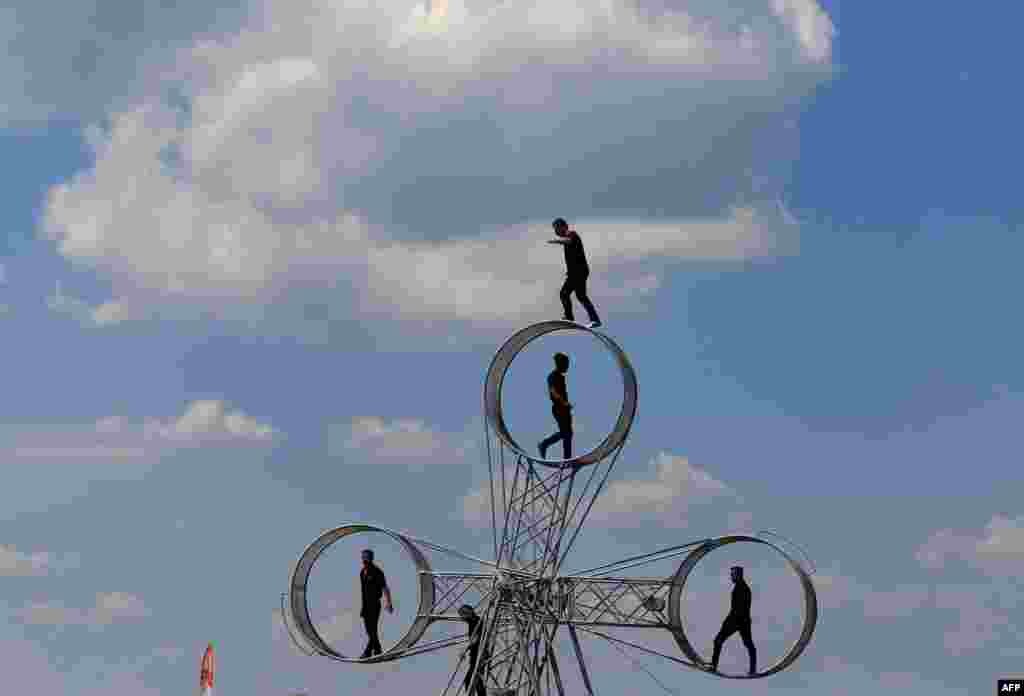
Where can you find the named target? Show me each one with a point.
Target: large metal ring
(299, 606)
(496, 377)
(690, 562)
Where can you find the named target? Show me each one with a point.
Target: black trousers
(731, 625)
(479, 683)
(371, 617)
(577, 283)
(564, 420)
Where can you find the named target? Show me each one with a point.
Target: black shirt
(475, 634)
(575, 257)
(556, 381)
(373, 584)
(741, 599)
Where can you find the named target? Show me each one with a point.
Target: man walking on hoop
(373, 584)
(561, 409)
(577, 272)
(737, 620)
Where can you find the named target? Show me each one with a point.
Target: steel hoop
(503, 360)
(298, 600)
(690, 562)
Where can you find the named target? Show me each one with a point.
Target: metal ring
(496, 377)
(679, 581)
(297, 599)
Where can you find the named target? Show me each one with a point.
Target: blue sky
(257, 257)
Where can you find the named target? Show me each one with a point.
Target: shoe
(594, 324)
(365, 655)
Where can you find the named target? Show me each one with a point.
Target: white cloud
(91, 316)
(836, 676)
(339, 627)
(206, 419)
(476, 507)
(677, 484)
(401, 441)
(901, 602)
(15, 563)
(666, 497)
(514, 274)
(1000, 549)
(118, 439)
(986, 615)
(110, 608)
(837, 590)
(112, 312)
(811, 24)
(279, 163)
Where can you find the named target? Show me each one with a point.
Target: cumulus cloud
(836, 676)
(116, 438)
(110, 608)
(15, 563)
(205, 419)
(811, 25)
(676, 485)
(998, 550)
(476, 507)
(836, 590)
(389, 155)
(986, 615)
(401, 441)
(87, 315)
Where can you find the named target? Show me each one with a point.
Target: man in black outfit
(561, 409)
(577, 272)
(475, 638)
(373, 584)
(737, 620)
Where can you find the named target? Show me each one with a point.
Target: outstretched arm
(558, 241)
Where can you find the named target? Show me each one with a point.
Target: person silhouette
(561, 409)
(576, 272)
(738, 620)
(469, 615)
(373, 584)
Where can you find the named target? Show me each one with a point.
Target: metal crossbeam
(622, 602)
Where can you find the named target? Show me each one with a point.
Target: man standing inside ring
(576, 272)
(738, 620)
(561, 409)
(373, 584)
